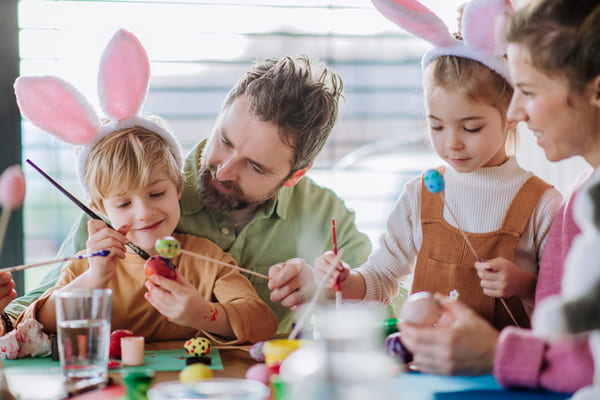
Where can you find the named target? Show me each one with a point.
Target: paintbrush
(139, 251)
(308, 309)
(101, 253)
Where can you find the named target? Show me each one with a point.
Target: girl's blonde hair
(124, 160)
(480, 83)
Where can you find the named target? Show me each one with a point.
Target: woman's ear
(291, 181)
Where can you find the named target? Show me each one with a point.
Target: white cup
(132, 350)
(83, 322)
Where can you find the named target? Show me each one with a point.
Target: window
(198, 49)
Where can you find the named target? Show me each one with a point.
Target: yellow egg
(195, 373)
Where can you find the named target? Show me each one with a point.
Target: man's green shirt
(297, 223)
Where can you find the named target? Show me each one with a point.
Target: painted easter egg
(420, 308)
(158, 265)
(256, 352)
(434, 181)
(259, 373)
(195, 373)
(198, 346)
(12, 188)
(393, 345)
(168, 246)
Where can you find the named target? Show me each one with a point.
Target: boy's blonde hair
(480, 84)
(124, 160)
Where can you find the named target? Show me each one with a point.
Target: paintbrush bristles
(246, 270)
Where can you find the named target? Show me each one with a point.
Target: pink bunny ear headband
(57, 107)
(481, 20)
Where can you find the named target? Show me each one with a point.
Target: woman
(555, 67)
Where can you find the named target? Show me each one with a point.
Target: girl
(504, 210)
(554, 64)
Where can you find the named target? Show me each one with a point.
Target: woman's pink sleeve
(525, 360)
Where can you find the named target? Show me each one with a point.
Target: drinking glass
(83, 322)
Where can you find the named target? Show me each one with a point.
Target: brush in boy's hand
(139, 251)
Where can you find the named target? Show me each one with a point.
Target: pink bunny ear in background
(123, 76)
(56, 107)
(479, 25)
(417, 19)
(12, 188)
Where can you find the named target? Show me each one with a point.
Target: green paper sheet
(158, 360)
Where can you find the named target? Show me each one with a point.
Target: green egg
(167, 247)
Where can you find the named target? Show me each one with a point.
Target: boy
(134, 179)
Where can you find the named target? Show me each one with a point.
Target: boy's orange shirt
(250, 318)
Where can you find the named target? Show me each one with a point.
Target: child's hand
(7, 289)
(101, 237)
(178, 301)
(340, 273)
(502, 278)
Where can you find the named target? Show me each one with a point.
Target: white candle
(132, 350)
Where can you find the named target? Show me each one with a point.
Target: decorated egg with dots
(434, 181)
(167, 247)
(256, 352)
(259, 373)
(198, 346)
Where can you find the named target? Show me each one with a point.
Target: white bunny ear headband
(55, 106)
(481, 21)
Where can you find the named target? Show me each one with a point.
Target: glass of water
(83, 322)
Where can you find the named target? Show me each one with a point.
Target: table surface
(236, 360)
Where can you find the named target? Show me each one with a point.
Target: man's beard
(219, 201)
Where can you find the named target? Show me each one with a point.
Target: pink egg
(12, 187)
(258, 372)
(421, 308)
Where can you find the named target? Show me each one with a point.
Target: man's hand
(291, 282)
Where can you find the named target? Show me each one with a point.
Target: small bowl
(214, 389)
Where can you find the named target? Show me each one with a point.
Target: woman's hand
(465, 345)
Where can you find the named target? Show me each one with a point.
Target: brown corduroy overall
(445, 261)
